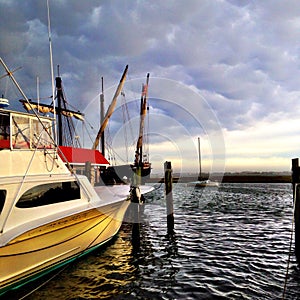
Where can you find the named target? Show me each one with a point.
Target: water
(230, 243)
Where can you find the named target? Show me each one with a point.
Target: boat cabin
(24, 131)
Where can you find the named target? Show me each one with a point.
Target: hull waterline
(50, 246)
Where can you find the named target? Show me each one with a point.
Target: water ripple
(230, 243)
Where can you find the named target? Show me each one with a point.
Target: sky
(223, 70)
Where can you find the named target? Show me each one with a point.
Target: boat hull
(204, 184)
(41, 249)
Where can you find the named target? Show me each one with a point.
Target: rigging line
(108, 143)
(72, 106)
(110, 148)
(13, 71)
(92, 127)
(291, 242)
(111, 154)
(20, 131)
(19, 191)
(70, 123)
(14, 90)
(26, 99)
(6, 86)
(115, 154)
(127, 120)
(70, 131)
(53, 161)
(84, 126)
(124, 125)
(41, 98)
(127, 117)
(129, 124)
(89, 135)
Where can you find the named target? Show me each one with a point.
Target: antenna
(52, 72)
(199, 154)
(38, 91)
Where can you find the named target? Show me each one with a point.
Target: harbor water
(229, 243)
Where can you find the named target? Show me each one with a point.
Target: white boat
(4, 103)
(204, 183)
(201, 183)
(49, 215)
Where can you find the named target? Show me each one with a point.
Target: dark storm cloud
(241, 56)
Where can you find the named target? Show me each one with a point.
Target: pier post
(169, 196)
(296, 201)
(135, 208)
(135, 215)
(89, 172)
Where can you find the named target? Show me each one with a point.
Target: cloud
(267, 145)
(240, 57)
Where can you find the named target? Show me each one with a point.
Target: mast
(66, 133)
(143, 112)
(59, 105)
(111, 109)
(199, 153)
(38, 90)
(102, 117)
(51, 69)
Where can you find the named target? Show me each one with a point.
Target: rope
(290, 248)
(157, 187)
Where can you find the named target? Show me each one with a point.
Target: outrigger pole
(111, 109)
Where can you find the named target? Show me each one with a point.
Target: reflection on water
(230, 243)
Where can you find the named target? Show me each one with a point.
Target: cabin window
(4, 131)
(24, 132)
(2, 199)
(20, 132)
(49, 193)
(40, 134)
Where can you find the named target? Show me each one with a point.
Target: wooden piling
(138, 176)
(87, 169)
(296, 201)
(169, 196)
(135, 215)
(295, 172)
(135, 208)
(89, 172)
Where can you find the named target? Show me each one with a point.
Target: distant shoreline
(234, 178)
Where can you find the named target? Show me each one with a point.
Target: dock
(232, 178)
